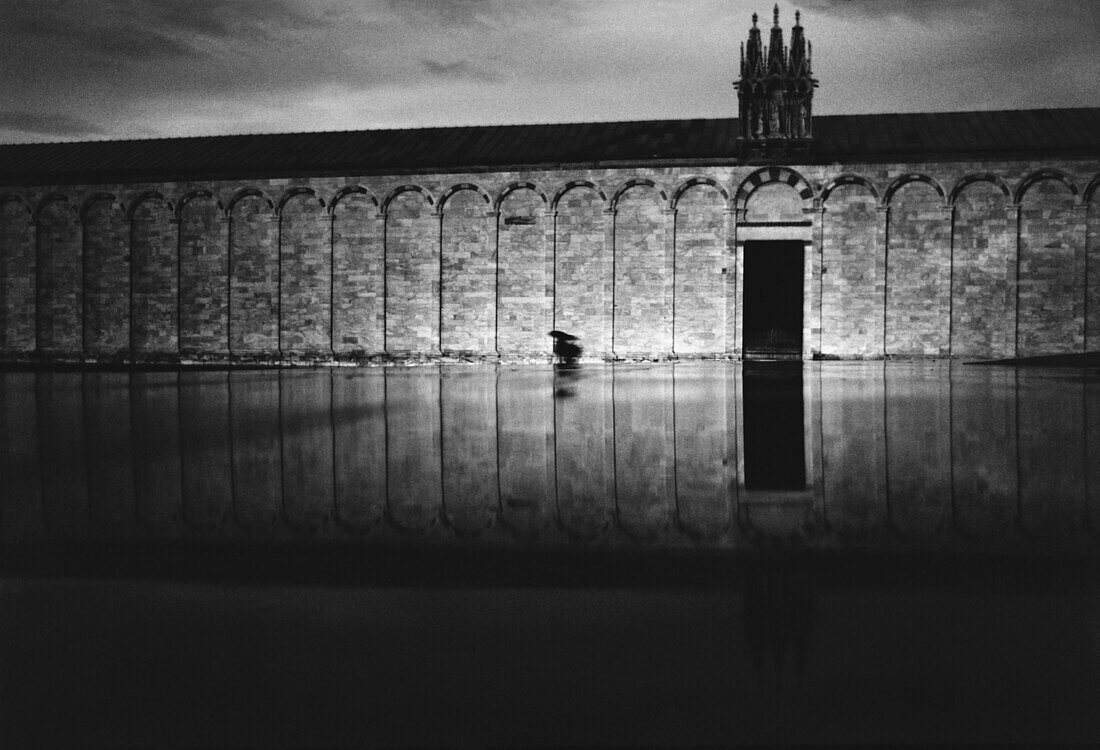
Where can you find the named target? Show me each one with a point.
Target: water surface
(703, 553)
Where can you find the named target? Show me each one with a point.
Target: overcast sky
(94, 69)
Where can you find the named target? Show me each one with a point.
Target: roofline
(724, 154)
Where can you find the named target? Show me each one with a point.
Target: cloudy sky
(94, 69)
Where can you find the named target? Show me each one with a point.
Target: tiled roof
(887, 137)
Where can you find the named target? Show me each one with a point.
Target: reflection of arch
(46, 201)
(248, 193)
(406, 189)
(848, 178)
(1045, 174)
(97, 198)
(12, 198)
(637, 182)
(766, 175)
(905, 179)
(351, 190)
(463, 186)
(293, 193)
(970, 179)
(524, 185)
(188, 197)
(694, 181)
(146, 196)
(575, 184)
(1090, 189)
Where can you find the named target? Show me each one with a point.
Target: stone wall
(963, 259)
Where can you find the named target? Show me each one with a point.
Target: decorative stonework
(775, 92)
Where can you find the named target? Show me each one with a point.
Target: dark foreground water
(692, 554)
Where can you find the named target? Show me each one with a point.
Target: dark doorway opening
(773, 300)
(775, 438)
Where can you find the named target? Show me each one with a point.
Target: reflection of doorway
(773, 300)
(775, 447)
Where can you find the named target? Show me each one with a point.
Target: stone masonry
(963, 259)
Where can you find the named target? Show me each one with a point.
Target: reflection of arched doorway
(773, 412)
(773, 281)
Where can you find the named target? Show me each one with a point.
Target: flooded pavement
(699, 553)
(702, 455)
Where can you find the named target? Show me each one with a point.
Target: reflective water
(701, 553)
(906, 455)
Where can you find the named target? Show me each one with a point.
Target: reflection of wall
(897, 454)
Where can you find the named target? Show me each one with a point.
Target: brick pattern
(983, 267)
(59, 307)
(305, 291)
(701, 272)
(469, 275)
(412, 276)
(918, 271)
(204, 279)
(852, 286)
(106, 280)
(17, 277)
(1092, 288)
(155, 297)
(525, 291)
(358, 293)
(583, 271)
(1050, 282)
(774, 201)
(253, 279)
(643, 276)
(644, 280)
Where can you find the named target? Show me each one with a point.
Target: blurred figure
(566, 348)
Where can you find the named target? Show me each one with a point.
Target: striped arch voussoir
(768, 175)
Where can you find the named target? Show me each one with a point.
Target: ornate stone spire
(750, 87)
(800, 83)
(775, 91)
(777, 61)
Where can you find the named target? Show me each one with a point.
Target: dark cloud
(445, 12)
(918, 10)
(49, 125)
(461, 70)
(186, 67)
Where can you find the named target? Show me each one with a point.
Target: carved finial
(754, 20)
(776, 12)
(797, 17)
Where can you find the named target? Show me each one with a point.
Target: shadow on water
(698, 553)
